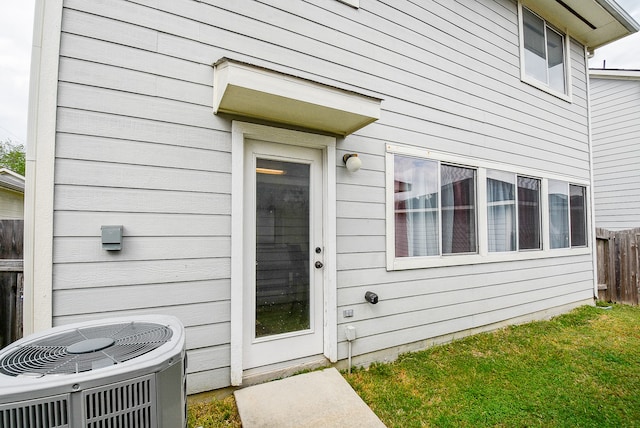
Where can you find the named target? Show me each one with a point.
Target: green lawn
(214, 413)
(580, 370)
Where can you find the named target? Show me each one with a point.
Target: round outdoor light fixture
(352, 161)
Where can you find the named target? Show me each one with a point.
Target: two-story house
(282, 170)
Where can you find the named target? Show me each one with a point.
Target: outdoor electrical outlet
(350, 332)
(347, 313)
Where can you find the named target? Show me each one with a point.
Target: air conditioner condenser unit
(117, 373)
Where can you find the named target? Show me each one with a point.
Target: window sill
(541, 86)
(406, 263)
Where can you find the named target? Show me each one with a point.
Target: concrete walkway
(317, 399)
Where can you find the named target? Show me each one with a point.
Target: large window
(458, 195)
(529, 213)
(417, 198)
(544, 53)
(558, 214)
(447, 210)
(567, 215)
(578, 204)
(513, 212)
(501, 211)
(421, 187)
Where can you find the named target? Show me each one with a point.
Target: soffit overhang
(11, 181)
(594, 23)
(251, 91)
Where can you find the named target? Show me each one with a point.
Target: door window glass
(282, 247)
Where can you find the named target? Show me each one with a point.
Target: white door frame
(307, 340)
(239, 132)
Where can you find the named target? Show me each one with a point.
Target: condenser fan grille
(84, 349)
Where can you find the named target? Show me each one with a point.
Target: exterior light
(352, 161)
(270, 171)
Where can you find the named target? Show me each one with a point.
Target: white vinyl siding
(135, 106)
(616, 153)
(353, 3)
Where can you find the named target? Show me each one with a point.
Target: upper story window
(544, 54)
(448, 210)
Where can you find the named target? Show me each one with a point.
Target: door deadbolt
(319, 265)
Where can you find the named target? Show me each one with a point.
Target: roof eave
(594, 23)
(10, 180)
(620, 14)
(616, 74)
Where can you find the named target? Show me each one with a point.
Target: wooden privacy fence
(11, 280)
(618, 265)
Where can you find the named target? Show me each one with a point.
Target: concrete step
(317, 399)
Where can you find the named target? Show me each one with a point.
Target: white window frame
(483, 255)
(567, 95)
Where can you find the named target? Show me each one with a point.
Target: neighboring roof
(592, 22)
(12, 181)
(612, 73)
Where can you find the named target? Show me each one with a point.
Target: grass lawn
(215, 413)
(581, 369)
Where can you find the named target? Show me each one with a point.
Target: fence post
(11, 280)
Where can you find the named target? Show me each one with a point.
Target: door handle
(319, 265)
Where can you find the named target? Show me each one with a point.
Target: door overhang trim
(247, 90)
(240, 131)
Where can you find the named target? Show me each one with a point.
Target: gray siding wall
(616, 152)
(138, 145)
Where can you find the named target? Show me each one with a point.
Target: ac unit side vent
(130, 404)
(51, 412)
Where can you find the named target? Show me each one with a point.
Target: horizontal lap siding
(455, 299)
(616, 156)
(460, 103)
(138, 145)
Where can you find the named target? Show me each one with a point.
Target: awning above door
(248, 90)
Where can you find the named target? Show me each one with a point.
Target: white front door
(283, 253)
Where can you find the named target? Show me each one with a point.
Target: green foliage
(12, 157)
